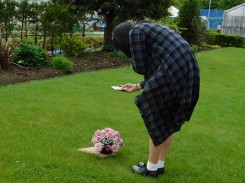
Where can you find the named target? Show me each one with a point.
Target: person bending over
(170, 89)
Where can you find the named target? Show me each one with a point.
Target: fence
(215, 17)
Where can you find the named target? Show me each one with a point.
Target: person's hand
(130, 87)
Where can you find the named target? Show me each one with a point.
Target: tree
(115, 11)
(56, 21)
(204, 4)
(189, 19)
(227, 4)
(36, 12)
(220, 4)
(23, 14)
(7, 14)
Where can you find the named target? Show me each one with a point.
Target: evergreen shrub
(224, 40)
(73, 46)
(63, 63)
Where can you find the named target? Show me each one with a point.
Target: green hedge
(224, 40)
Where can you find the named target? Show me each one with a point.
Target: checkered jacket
(171, 78)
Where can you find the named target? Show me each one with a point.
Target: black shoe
(160, 170)
(143, 171)
(141, 164)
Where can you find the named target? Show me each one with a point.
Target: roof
(235, 7)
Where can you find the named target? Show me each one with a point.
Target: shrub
(225, 40)
(118, 54)
(108, 48)
(61, 62)
(6, 49)
(176, 28)
(195, 48)
(211, 38)
(30, 55)
(93, 43)
(73, 46)
(214, 46)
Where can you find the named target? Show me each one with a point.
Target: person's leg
(166, 146)
(165, 149)
(154, 152)
(160, 152)
(150, 169)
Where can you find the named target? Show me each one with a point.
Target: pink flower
(114, 148)
(102, 132)
(117, 139)
(99, 146)
(108, 130)
(117, 134)
(108, 147)
(109, 136)
(97, 133)
(98, 138)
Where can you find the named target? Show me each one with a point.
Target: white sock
(151, 166)
(160, 164)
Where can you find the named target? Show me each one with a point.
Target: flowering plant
(106, 141)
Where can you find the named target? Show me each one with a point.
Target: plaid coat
(171, 78)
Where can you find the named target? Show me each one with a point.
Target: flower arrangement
(106, 141)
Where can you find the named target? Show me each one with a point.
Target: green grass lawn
(43, 123)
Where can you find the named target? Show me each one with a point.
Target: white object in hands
(119, 88)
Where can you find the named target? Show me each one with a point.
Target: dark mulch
(89, 62)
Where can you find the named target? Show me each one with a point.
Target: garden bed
(89, 62)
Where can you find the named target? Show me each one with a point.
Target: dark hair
(121, 37)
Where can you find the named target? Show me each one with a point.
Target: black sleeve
(142, 84)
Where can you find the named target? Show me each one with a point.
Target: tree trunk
(36, 29)
(108, 29)
(21, 31)
(6, 32)
(52, 43)
(44, 40)
(26, 31)
(3, 61)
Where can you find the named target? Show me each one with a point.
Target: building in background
(234, 21)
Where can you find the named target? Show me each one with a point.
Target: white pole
(210, 3)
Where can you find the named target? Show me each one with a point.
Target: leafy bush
(73, 46)
(108, 48)
(211, 38)
(214, 46)
(224, 40)
(61, 62)
(118, 54)
(30, 55)
(93, 43)
(195, 48)
(175, 27)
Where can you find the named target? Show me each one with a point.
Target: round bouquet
(106, 141)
